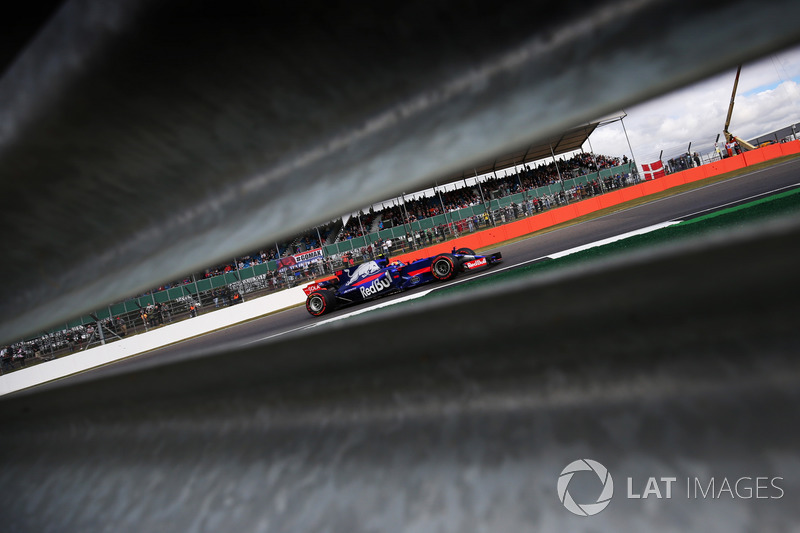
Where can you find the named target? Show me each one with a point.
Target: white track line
(616, 238)
(348, 315)
(743, 200)
(421, 294)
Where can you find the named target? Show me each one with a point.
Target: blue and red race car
(381, 277)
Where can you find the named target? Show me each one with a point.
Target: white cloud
(767, 99)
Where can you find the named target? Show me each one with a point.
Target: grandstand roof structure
(561, 143)
(567, 141)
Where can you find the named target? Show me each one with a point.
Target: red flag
(653, 171)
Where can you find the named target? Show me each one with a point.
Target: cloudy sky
(767, 99)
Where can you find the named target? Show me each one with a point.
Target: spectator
(7, 356)
(121, 327)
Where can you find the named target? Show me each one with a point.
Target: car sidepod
(377, 284)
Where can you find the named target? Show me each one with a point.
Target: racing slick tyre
(465, 251)
(320, 302)
(443, 267)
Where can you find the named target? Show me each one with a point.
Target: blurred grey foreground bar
(684, 366)
(142, 139)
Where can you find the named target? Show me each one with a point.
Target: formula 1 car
(378, 278)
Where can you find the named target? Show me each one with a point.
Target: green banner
(426, 223)
(161, 297)
(247, 273)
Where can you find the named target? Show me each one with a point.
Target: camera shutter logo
(585, 509)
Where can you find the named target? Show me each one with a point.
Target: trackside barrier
(101, 355)
(512, 230)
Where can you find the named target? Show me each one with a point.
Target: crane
(728, 135)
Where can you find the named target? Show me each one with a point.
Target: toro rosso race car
(380, 277)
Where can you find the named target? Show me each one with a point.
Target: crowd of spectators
(358, 225)
(520, 179)
(309, 240)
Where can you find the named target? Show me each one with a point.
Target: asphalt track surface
(682, 206)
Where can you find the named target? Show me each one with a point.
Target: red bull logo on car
(469, 265)
(378, 285)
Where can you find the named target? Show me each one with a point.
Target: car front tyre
(443, 267)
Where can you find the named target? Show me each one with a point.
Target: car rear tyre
(320, 302)
(443, 267)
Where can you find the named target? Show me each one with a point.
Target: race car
(378, 278)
